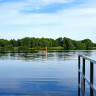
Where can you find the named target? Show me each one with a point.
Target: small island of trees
(33, 43)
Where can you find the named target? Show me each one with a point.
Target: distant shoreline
(33, 43)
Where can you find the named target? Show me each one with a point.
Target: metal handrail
(85, 57)
(84, 78)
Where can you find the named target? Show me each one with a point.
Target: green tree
(23, 48)
(79, 45)
(9, 48)
(88, 43)
(25, 41)
(3, 42)
(67, 44)
(59, 41)
(13, 42)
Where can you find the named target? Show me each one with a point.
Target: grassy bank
(56, 48)
(42, 48)
(34, 49)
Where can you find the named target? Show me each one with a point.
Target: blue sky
(75, 19)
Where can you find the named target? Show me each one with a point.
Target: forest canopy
(40, 43)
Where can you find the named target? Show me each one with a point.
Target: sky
(75, 19)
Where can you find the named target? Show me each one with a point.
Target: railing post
(83, 78)
(91, 77)
(78, 76)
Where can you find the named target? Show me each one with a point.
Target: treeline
(40, 43)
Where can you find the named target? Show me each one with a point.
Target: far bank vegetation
(41, 44)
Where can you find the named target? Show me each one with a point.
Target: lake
(35, 74)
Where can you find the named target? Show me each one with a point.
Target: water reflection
(35, 87)
(66, 55)
(40, 75)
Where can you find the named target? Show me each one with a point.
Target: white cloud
(86, 11)
(76, 23)
(49, 1)
(37, 4)
(37, 8)
(56, 1)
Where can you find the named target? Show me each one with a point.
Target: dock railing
(82, 76)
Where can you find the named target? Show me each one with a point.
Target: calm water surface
(35, 74)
